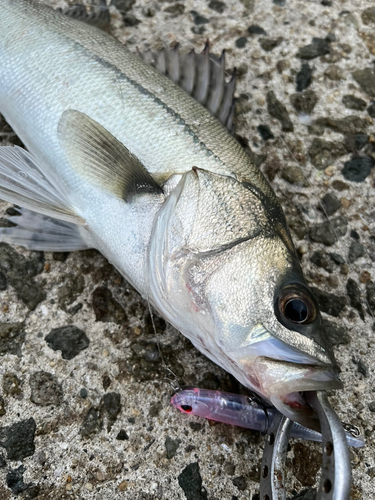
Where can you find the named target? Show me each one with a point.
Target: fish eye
(296, 306)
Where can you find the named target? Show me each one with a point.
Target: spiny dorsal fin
(104, 161)
(202, 76)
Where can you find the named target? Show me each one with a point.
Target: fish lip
(286, 392)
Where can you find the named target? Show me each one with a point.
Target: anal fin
(39, 232)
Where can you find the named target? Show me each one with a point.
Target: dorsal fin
(95, 154)
(202, 76)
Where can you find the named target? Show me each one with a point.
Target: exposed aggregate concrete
(91, 419)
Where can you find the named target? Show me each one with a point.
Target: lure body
(241, 411)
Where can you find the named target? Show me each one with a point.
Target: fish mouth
(284, 384)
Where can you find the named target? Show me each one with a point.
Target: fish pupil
(186, 408)
(296, 311)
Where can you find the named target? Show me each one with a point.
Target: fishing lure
(243, 411)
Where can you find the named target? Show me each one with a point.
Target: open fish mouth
(284, 384)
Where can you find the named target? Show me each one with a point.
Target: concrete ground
(92, 419)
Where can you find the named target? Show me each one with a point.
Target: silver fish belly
(138, 169)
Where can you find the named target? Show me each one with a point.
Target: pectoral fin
(98, 156)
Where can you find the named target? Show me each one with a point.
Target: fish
(139, 162)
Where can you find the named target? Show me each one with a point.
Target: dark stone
(196, 426)
(74, 309)
(122, 435)
(92, 423)
(12, 337)
(71, 288)
(11, 384)
(2, 462)
(190, 481)
(106, 382)
(357, 169)
(339, 185)
(308, 494)
(241, 42)
(318, 47)
(304, 102)
(217, 5)
(346, 126)
(280, 3)
(83, 393)
(368, 15)
(306, 463)
(279, 111)
(329, 303)
(356, 142)
(366, 80)
(177, 9)
(371, 406)
(335, 333)
(322, 259)
(198, 19)
(328, 231)
(60, 256)
(269, 44)
(294, 175)
(304, 77)
(330, 203)
(370, 296)
(337, 258)
(20, 271)
(171, 446)
(110, 406)
(3, 282)
(2, 406)
(155, 410)
(33, 491)
(354, 235)
(240, 483)
(198, 30)
(353, 102)
(322, 153)
(18, 439)
(356, 251)
(70, 340)
(354, 294)
(254, 29)
(130, 20)
(265, 132)
(106, 308)
(362, 368)
(14, 480)
(45, 389)
(123, 5)
(371, 110)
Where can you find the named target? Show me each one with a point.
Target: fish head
(224, 271)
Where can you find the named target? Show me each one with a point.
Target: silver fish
(119, 158)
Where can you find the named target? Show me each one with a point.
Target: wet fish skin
(211, 250)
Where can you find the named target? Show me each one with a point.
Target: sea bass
(121, 159)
